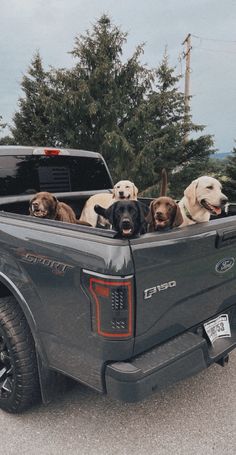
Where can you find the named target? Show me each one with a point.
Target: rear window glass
(29, 174)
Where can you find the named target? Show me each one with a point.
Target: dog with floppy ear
(128, 218)
(45, 205)
(164, 211)
(164, 214)
(122, 190)
(202, 198)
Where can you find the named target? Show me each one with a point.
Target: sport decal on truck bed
(58, 268)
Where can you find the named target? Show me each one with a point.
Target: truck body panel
(47, 261)
(125, 317)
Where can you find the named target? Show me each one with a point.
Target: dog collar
(188, 214)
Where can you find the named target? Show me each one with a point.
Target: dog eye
(210, 187)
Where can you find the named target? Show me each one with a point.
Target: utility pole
(187, 55)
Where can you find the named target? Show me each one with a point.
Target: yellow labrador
(124, 189)
(202, 198)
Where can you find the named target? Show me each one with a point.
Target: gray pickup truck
(124, 316)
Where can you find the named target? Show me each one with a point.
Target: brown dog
(164, 211)
(45, 205)
(164, 214)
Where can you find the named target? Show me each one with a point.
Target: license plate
(218, 328)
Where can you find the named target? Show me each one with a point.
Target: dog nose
(126, 223)
(159, 216)
(224, 200)
(121, 193)
(35, 204)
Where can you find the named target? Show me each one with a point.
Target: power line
(213, 39)
(211, 49)
(224, 51)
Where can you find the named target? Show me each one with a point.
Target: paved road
(195, 417)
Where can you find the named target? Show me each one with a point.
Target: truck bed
(175, 288)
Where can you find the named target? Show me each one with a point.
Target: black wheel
(19, 383)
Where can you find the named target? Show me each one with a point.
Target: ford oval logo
(224, 265)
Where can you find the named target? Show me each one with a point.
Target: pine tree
(4, 140)
(134, 116)
(98, 97)
(32, 124)
(163, 142)
(2, 125)
(230, 181)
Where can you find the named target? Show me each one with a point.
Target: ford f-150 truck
(124, 316)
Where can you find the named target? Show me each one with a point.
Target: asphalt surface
(195, 417)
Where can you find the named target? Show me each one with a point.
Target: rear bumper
(179, 358)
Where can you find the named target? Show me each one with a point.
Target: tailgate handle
(225, 238)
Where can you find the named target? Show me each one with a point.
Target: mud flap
(51, 382)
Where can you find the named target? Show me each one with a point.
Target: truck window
(28, 174)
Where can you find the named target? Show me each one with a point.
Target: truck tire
(19, 382)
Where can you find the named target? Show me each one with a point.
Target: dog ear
(113, 192)
(30, 205)
(144, 211)
(106, 213)
(178, 219)
(100, 210)
(110, 213)
(56, 205)
(190, 192)
(135, 191)
(150, 216)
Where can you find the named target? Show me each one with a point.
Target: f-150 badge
(148, 293)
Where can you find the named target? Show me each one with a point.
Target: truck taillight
(111, 306)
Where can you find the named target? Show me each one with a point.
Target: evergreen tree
(134, 116)
(4, 140)
(230, 180)
(163, 142)
(32, 124)
(98, 97)
(2, 125)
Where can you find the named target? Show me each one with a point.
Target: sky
(50, 27)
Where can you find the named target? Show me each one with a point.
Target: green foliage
(5, 140)
(230, 176)
(2, 125)
(32, 124)
(217, 168)
(98, 97)
(164, 143)
(133, 115)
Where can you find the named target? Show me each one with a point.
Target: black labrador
(128, 218)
